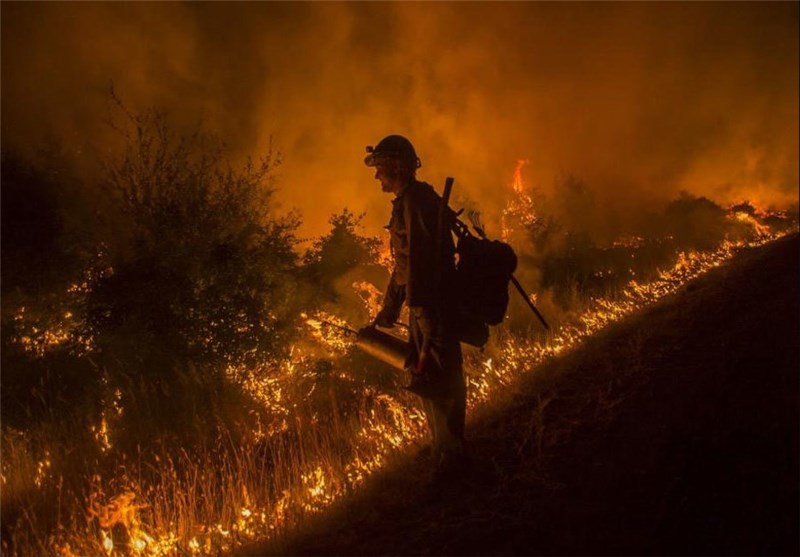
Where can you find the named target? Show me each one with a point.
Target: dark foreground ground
(675, 432)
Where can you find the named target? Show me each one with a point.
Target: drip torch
(383, 346)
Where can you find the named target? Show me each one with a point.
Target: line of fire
(193, 257)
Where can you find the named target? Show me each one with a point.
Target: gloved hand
(384, 319)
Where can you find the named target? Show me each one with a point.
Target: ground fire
(170, 515)
(193, 252)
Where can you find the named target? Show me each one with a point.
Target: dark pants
(446, 410)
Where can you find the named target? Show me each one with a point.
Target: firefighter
(422, 278)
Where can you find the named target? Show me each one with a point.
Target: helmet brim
(372, 159)
(377, 159)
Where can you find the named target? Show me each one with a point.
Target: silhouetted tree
(339, 251)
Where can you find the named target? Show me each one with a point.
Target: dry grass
(213, 498)
(658, 436)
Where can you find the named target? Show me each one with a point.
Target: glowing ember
(100, 433)
(42, 470)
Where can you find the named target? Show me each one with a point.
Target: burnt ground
(673, 432)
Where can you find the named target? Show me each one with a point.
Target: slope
(673, 432)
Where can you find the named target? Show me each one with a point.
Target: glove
(384, 319)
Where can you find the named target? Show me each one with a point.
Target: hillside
(673, 432)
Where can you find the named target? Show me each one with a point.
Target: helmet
(393, 148)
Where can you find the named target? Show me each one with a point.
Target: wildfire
(389, 424)
(310, 479)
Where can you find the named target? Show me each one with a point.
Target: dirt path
(674, 432)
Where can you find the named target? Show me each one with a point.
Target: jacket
(413, 228)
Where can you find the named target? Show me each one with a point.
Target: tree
(206, 271)
(341, 250)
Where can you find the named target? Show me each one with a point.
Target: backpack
(483, 271)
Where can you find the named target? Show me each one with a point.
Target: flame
(121, 516)
(335, 337)
(517, 183)
(387, 423)
(746, 218)
(101, 434)
(379, 427)
(370, 296)
(42, 470)
(519, 212)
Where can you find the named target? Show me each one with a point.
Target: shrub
(206, 271)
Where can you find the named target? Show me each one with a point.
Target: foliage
(206, 271)
(695, 222)
(339, 251)
(48, 253)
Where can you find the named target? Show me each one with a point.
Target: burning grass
(320, 420)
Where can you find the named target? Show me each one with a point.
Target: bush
(206, 272)
(695, 222)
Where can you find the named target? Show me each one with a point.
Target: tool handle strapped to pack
(441, 227)
(527, 298)
(484, 270)
(482, 233)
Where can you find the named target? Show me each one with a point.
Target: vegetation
(668, 406)
(162, 389)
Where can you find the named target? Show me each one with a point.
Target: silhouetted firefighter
(448, 304)
(423, 278)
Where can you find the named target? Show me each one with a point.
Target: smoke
(640, 101)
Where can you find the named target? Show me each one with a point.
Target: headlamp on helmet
(393, 149)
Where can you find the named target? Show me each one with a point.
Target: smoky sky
(639, 100)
